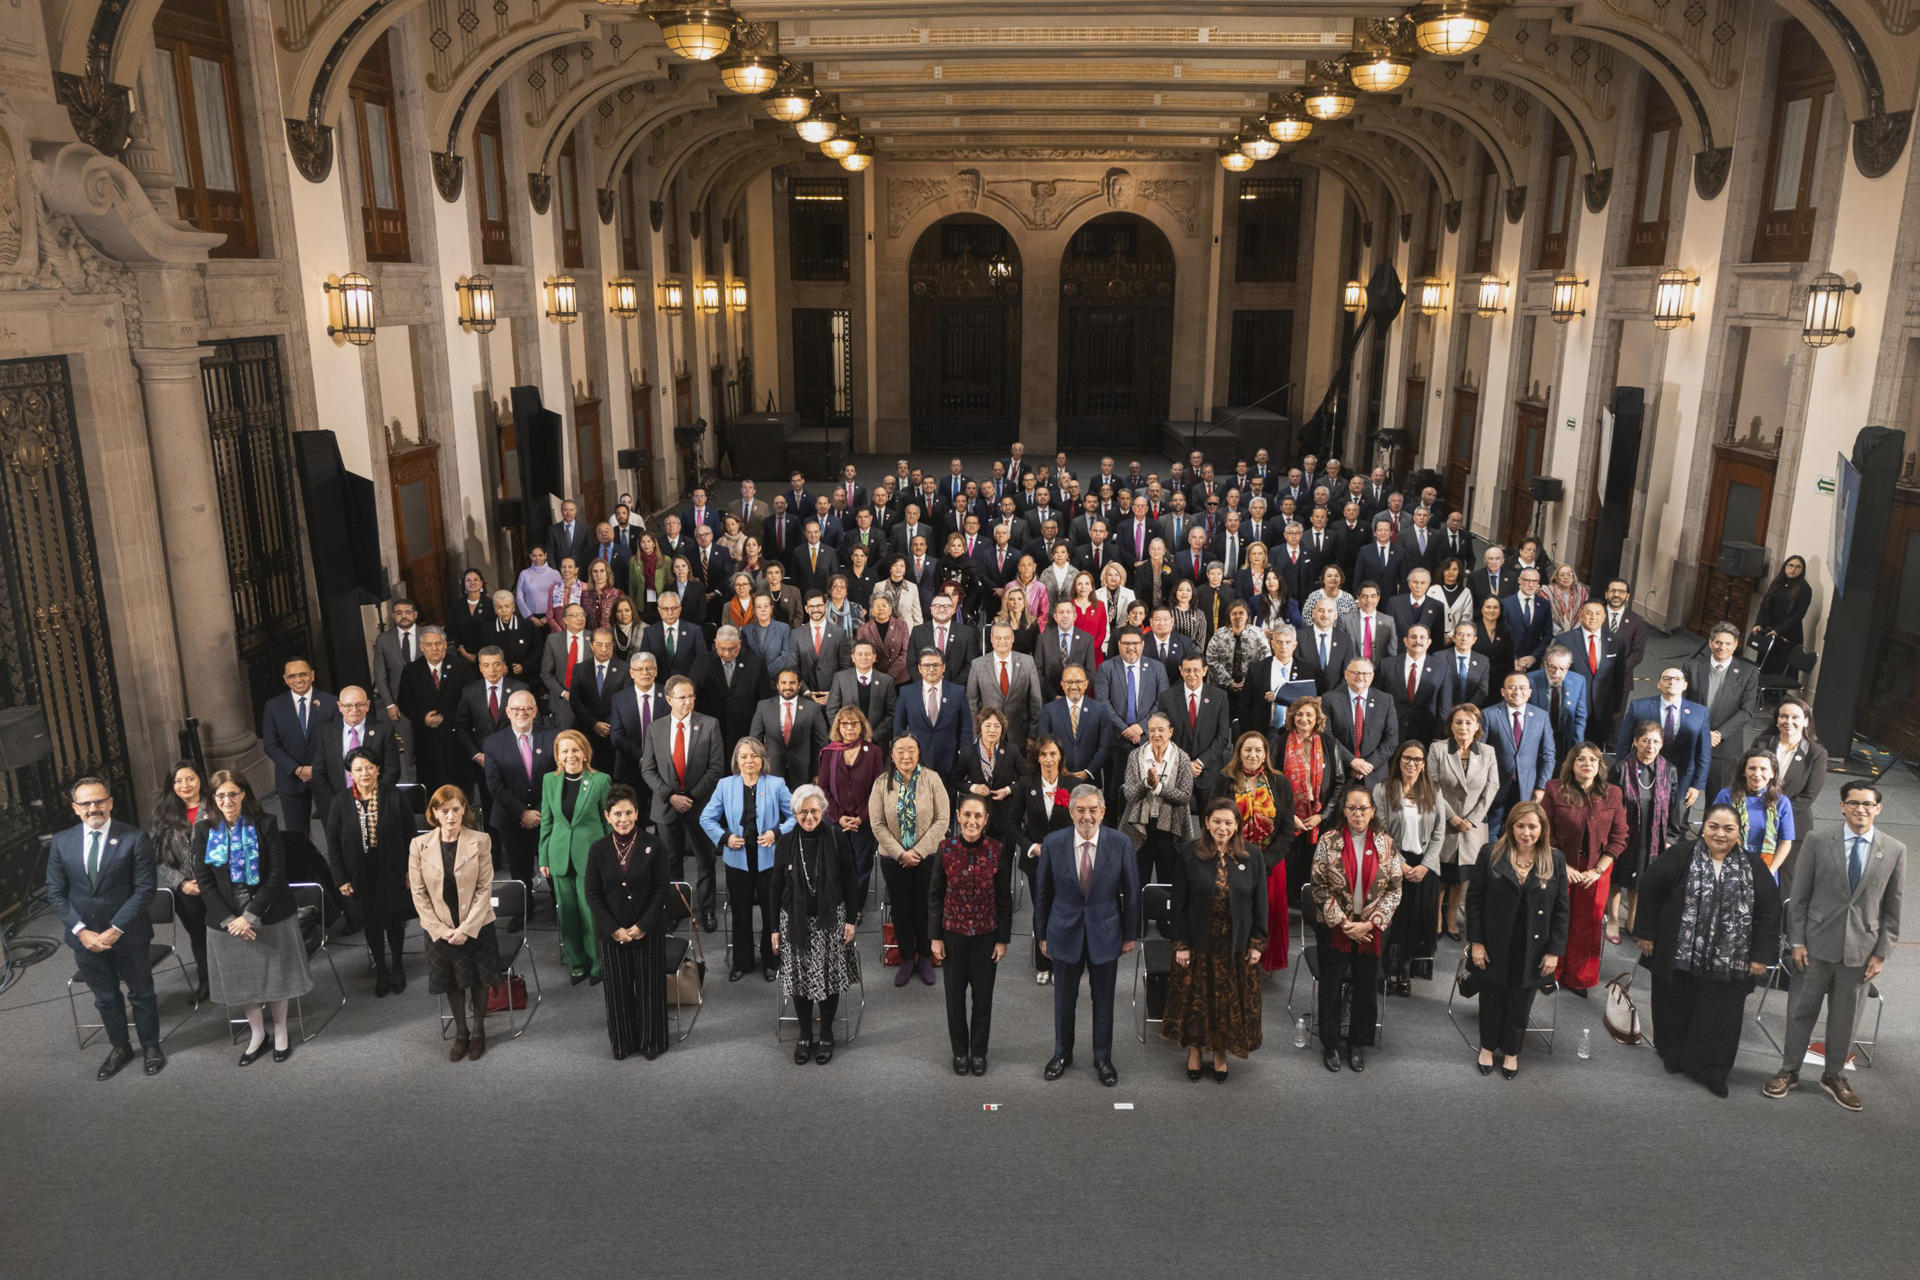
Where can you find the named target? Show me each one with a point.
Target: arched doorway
(964, 333)
(1116, 334)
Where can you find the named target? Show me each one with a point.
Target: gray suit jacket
(387, 666)
(1385, 636)
(1838, 925)
(1021, 703)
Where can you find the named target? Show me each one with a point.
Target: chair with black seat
(1534, 1026)
(678, 946)
(510, 910)
(310, 909)
(1310, 955)
(1153, 958)
(161, 914)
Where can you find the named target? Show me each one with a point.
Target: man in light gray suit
(867, 689)
(1020, 701)
(1369, 617)
(1843, 917)
(393, 650)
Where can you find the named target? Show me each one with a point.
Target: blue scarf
(235, 846)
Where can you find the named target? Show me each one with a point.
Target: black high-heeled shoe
(1219, 1075)
(1511, 1073)
(823, 1052)
(802, 1051)
(1484, 1068)
(1193, 1074)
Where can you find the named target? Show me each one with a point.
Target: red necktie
(1359, 723)
(816, 642)
(493, 703)
(1193, 712)
(680, 751)
(435, 673)
(573, 656)
(1413, 680)
(1593, 653)
(786, 721)
(1366, 634)
(1086, 866)
(1003, 678)
(1518, 728)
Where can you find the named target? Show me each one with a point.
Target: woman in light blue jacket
(748, 812)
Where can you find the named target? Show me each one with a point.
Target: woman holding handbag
(1516, 932)
(627, 892)
(450, 876)
(572, 800)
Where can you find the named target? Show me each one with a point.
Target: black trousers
(104, 971)
(746, 890)
(803, 1010)
(1299, 868)
(1031, 868)
(907, 890)
(1696, 1024)
(1357, 969)
(383, 938)
(516, 850)
(864, 849)
(1066, 998)
(683, 836)
(635, 988)
(296, 811)
(969, 967)
(1504, 1011)
(192, 914)
(1158, 858)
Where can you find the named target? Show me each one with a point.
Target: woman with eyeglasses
(1356, 890)
(256, 956)
(817, 904)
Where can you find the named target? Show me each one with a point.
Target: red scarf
(1360, 870)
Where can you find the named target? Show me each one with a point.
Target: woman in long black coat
(1517, 917)
(1042, 806)
(626, 887)
(991, 770)
(369, 837)
(1780, 624)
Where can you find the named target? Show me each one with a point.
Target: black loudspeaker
(343, 534)
(630, 459)
(1622, 471)
(542, 469)
(1850, 638)
(1419, 480)
(1548, 489)
(23, 737)
(1743, 559)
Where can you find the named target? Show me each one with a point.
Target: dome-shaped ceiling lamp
(1328, 96)
(844, 142)
(821, 123)
(861, 160)
(1233, 159)
(699, 33)
(1287, 123)
(751, 73)
(1451, 29)
(1383, 55)
(792, 96)
(1255, 144)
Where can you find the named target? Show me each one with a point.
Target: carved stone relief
(907, 196)
(449, 170)
(539, 191)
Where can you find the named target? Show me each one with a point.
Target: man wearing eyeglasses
(100, 882)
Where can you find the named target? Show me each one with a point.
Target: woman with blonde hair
(572, 799)
(1016, 612)
(1118, 597)
(450, 875)
(1516, 932)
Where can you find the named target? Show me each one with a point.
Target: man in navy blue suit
(289, 731)
(1561, 692)
(1530, 620)
(1522, 743)
(1686, 733)
(1599, 656)
(1085, 727)
(1130, 686)
(1086, 915)
(100, 881)
(517, 760)
(935, 712)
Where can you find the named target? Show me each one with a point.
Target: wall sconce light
(1566, 298)
(1826, 294)
(706, 297)
(673, 298)
(350, 308)
(623, 297)
(1673, 298)
(1492, 298)
(475, 294)
(1353, 297)
(736, 295)
(563, 300)
(1433, 296)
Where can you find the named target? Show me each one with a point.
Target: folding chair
(1310, 957)
(1533, 1026)
(510, 907)
(310, 909)
(852, 1012)
(1773, 983)
(1153, 958)
(677, 950)
(160, 913)
(416, 797)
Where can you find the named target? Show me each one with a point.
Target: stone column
(197, 585)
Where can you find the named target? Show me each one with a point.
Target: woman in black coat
(817, 900)
(1805, 773)
(1517, 917)
(370, 832)
(1705, 960)
(1494, 642)
(991, 771)
(257, 958)
(1780, 625)
(1042, 808)
(1219, 934)
(626, 886)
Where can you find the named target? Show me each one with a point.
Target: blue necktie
(300, 705)
(1856, 862)
(1463, 675)
(1133, 692)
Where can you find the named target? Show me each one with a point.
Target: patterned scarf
(905, 803)
(1662, 793)
(369, 819)
(1305, 767)
(1253, 796)
(1769, 833)
(235, 846)
(1716, 920)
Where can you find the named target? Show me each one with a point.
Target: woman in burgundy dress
(1588, 818)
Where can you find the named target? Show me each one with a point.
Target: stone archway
(964, 286)
(1116, 334)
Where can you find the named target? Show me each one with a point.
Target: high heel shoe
(1512, 1072)
(1219, 1075)
(281, 1055)
(1484, 1068)
(1193, 1074)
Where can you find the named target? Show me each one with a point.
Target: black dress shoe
(1356, 1057)
(117, 1058)
(248, 1059)
(1108, 1076)
(381, 984)
(733, 974)
(156, 1059)
(1056, 1067)
(1219, 1075)
(397, 981)
(1193, 1073)
(1577, 991)
(575, 979)
(769, 971)
(1484, 1068)
(1511, 1073)
(802, 1053)
(823, 1052)
(1330, 1058)
(281, 1055)
(708, 924)
(980, 1066)
(962, 1065)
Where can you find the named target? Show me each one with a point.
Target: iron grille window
(1269, 240)
(817, 228)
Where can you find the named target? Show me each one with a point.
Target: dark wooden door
(1529, 449)
(823, 366)
(1891, 707)
(594, 500)
(418, 537)
(1739, 496)
(965, 374)
(1116, 335)
(1460, 436)
(1260, 358)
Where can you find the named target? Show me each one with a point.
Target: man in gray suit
(819, 649)
(568, 651)
(393, 650)
(1007, 682)
(1371, 630)
(1843, 917)
(867, 689)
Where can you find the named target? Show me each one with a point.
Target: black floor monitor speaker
(1743, 560)
(1548, 489)
(1620, 471)
(1845, 653)
(23, 737)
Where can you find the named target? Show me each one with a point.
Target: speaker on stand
(1546, 489)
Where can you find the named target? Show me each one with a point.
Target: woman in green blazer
(573, 800)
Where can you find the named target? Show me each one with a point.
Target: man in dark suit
(1362, 722)
(1130, 686)
(607, 547)
(1414, 608)
(1380, 561)
(820, 649)
(516, 760)
(483, 712)
(569, 537)
(430, 698)
(1561, 692)
(1165, 645)
(729, 683)
(813, 562)
(1729, 687)
(1420, 546)
(682, 764)
(869, 690)
(356, 730)
(1456, 541)
(1085, 727)
(793, 730)
(1686, 735)
(1086, 915)
(1191, 563)
(1530, 619)
(290, 727)
(1598, 657)
(638, 705)
(1629, 628)
(699, 511)
(956, 641)
(566, 652)
(593, 698)
(100, 882)
(678, 645)
(934, 710)
(781, 532)
(1522, 743)
(1325, 646)
(865, 532)
(711, 565)
(1421, 686)
(1472, 681)
(1494, 578)
(1294, 561)
(1061, 645)
(1202, 722)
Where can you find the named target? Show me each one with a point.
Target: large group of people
(1197, 704)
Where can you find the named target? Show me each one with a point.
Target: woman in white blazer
(1466, 776)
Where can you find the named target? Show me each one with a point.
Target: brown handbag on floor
(1622, 1016)
(686, 962)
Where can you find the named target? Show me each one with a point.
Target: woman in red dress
(1588, 817)
(1264, 798)
(1090, 614)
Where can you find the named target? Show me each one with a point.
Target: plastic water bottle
(1585, 1050)
(1300, 1032)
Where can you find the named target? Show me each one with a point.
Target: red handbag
(511, 994)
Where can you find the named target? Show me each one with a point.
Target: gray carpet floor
(369, 1154)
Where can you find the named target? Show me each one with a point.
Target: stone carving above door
(1043, 205)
